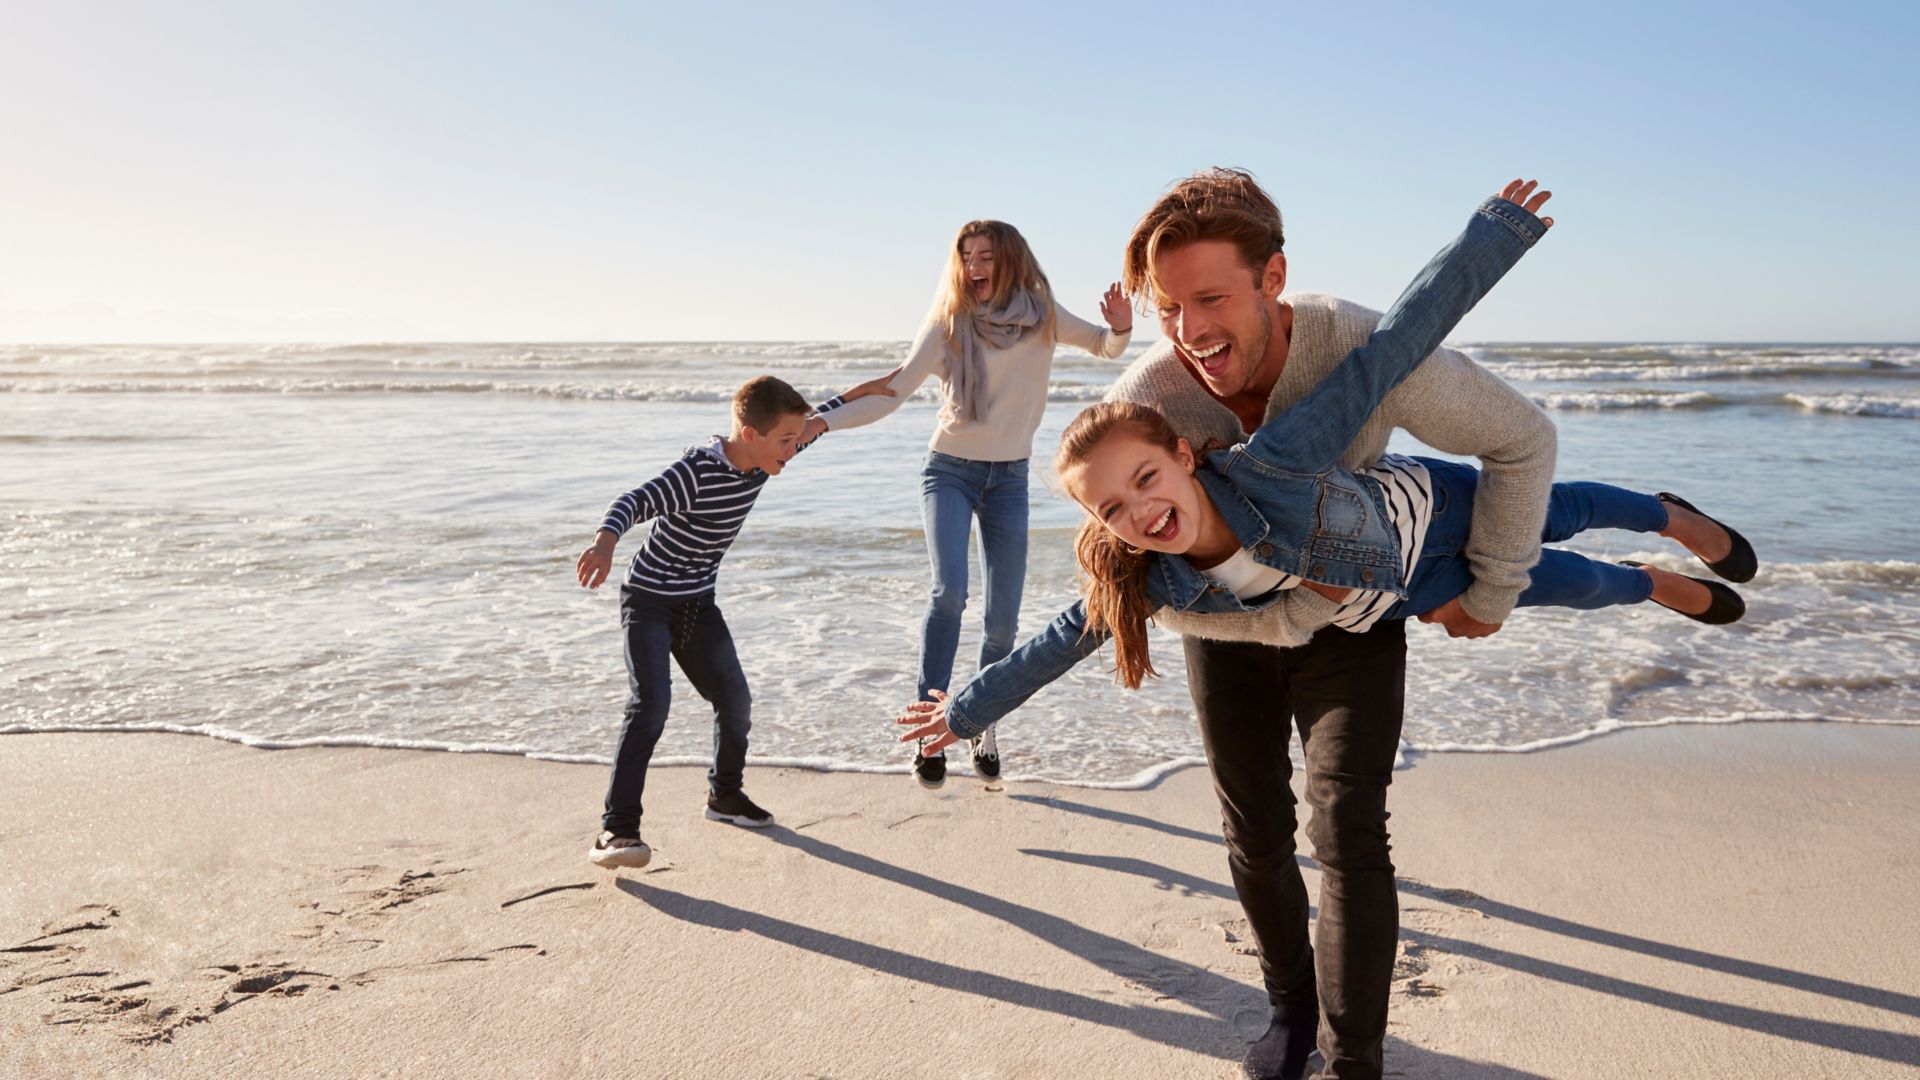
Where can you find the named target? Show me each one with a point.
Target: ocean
(373, 545)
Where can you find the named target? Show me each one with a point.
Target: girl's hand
(874, 386)
(1115, 309)
(1522, 195)
(930, 720)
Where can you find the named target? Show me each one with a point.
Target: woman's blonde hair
(1014, 267)
(1114, 572)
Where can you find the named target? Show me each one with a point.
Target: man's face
(1217, 311)
(771, 450)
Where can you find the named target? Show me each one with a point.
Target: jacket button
(1319, 570)
(1366, 575)
(1266, 550)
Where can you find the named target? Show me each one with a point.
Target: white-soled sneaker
(735, 807)
(614, 852)
(986, 755)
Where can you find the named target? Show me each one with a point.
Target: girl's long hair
(1014, 267)
(1114, 572)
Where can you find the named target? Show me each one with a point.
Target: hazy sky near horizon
(201, 171)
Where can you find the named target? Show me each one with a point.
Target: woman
(990, 338)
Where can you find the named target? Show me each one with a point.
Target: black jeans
(691, 631)
(1346, 693)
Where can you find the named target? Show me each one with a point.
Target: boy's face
(769, 451)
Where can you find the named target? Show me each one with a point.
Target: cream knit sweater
(1450, 403)
(1012, 401)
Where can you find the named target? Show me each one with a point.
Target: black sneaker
(930, 771)
(986, 755)
(734, 806)
(613, 851)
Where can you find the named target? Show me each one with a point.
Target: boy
(666, 604)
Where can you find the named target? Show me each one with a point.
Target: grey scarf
(966, 353)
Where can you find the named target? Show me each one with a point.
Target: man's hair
(1213, 204)
(762, 402)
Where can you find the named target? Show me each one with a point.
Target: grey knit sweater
(1450, 403)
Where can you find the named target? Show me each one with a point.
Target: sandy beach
(1728, 901)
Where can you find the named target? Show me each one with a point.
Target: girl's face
(1141, 492)
(976, 256)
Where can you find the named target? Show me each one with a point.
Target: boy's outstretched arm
(673, 489)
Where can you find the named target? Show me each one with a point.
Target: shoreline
(1144, 780)
(1700, 901)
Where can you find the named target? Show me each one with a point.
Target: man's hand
(596, 562)
(1458, 623)
(930, 720)
(1115, 309)
(814, 428)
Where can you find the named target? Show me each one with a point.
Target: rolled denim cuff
(958, 723)
(1516, 217)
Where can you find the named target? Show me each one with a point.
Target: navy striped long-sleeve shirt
(697, 506)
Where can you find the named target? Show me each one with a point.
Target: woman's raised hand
(1521, 194)
(1115, 309)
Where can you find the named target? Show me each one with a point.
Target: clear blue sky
(553, 171)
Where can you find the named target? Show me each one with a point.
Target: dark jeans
(691, 631)
(1345, 692)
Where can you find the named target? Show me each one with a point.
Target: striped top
(697, 507)
(1408, 492)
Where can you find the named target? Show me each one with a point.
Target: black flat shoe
(1724, 607)
(1740, 563)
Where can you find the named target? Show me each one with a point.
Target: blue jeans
(953, 491)
(1561, 578)
(690, 630)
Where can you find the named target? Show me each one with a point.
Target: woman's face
(1140, 491)
(976, 256)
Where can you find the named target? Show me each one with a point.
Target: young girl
(990, 338)
(1274, 521)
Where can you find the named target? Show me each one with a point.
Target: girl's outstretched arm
(1310, 436)
(1003, 687)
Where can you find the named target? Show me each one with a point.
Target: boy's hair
(1213, 204)
(763, 401)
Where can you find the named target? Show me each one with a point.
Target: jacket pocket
(1339, 513)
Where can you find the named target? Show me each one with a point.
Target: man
(1208, 256)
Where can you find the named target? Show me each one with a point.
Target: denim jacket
(1282, 491)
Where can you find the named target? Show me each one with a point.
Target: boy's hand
(1523, 196)
(930, 718)
(595, 563)
(874, 386)
(1115, 309)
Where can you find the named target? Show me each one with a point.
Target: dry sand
(1681, 902)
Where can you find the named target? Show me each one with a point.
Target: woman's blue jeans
(954, 491)
(1561, 578)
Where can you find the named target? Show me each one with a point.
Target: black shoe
(986, 755)
(1281, 1054)
(1740, 564)
(1724, 607)
(734, 806)
(930, 771)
